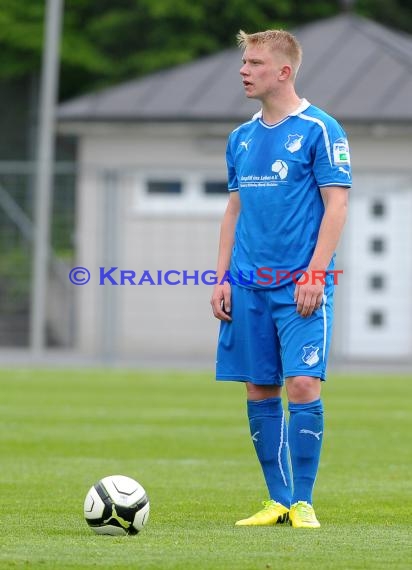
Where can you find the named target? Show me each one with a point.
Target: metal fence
(111, 217)
(16, 235)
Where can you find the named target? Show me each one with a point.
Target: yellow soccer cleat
(302, 515)
(272, 513)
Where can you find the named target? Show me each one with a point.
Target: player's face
(260, 72)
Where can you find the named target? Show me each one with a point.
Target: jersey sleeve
(331, 164)
(233, 185)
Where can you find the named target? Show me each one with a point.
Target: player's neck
(275, 110)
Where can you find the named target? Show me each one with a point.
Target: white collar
(304, 104)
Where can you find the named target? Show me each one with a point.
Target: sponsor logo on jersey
(294, 143)
(341, 152)
(310, 355)
(280, 169)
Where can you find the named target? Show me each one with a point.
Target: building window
(377, 245)
(378, 209)
(377, 282)
(376, 319)
(164, 187)
(177, 191)
(215, 187)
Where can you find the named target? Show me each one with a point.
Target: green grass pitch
(185, 438)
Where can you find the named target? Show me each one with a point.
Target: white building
(152, 183)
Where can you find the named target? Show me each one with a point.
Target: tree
(109, 41)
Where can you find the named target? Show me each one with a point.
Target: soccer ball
(116, 505)
(280, 168)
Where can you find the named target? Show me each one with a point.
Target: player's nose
(244, 70)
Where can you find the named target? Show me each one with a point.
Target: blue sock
(305, 442)
(269, 434)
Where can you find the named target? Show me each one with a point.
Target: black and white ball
(116, 505)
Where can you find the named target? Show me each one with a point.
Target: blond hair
(276, 40)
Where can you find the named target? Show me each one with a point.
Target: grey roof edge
(390, 38)
(346, 120)
(87, 109)
(149, 119)
(65, 107)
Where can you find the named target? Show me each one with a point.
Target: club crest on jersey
(294, 143)
(310, 355)
(341, 152)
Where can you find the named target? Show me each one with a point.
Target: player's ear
(285, 72)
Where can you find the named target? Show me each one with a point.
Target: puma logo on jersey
(309, 432)
(341, 169)
(245, 144)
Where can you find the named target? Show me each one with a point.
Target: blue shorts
(267, 340)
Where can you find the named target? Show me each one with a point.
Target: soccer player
(288, 178)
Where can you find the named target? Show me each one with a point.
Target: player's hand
(308, 296)
(221, 301)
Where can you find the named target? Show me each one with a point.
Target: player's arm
(222, 292)
(308, 297)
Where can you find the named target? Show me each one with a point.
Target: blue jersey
(278, 171)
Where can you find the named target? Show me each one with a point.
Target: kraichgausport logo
(262, 277)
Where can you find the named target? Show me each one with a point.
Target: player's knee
(303, 389)
(259, 392)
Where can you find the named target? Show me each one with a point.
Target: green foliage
(109, 41)
(186, 439)
(15, 274)
(393, 13)
(21, 37)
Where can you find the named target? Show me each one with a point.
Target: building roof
(355, 69)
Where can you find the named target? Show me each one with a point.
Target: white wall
(166, 321)
(148, 321)
(382, 175)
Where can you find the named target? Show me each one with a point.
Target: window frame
(191, 200)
